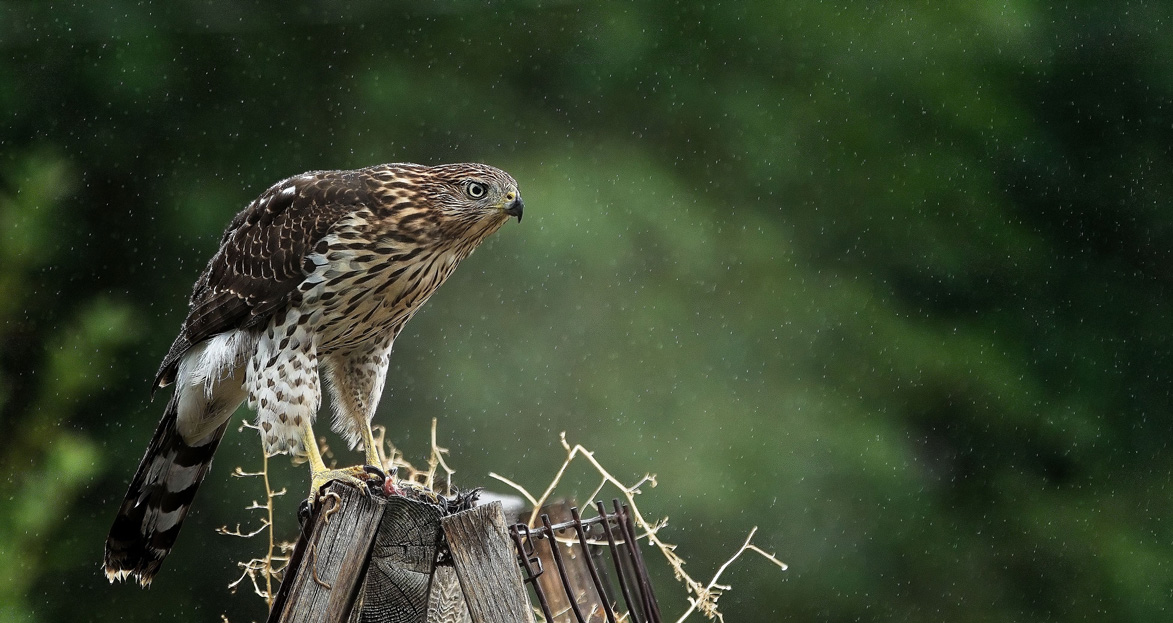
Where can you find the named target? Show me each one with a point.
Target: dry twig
(702, 597)
(268, 568)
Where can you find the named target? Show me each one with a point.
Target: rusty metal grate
(591, 558)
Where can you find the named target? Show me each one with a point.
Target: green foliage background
(890, 280)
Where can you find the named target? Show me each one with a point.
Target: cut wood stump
(372, 558)
(421, 558)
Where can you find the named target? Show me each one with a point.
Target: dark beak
(515, 208)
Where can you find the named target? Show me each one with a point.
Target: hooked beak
(515, 208)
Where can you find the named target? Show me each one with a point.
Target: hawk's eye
(476, 190)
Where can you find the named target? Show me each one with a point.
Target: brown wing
(259, 265)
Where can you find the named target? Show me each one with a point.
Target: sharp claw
(371, 469)
(373, 484)
(359, 477)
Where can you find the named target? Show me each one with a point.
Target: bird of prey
(323, 269)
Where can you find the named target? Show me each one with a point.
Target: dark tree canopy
(890, 281)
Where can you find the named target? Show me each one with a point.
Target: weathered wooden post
(328, 564)
(486, 564)
(397, 559)
(420, 558)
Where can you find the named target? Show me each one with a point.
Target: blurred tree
(888, 280)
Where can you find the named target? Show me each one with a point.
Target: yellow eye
(476, 190)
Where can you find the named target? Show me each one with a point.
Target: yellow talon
(320, 475)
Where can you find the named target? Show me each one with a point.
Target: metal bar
(598, 554)
(649, 594)
(562, 569)
(525, 557)
(586, 554)
(570, 524)
(632, 544)
(619, 531)
(631, 611)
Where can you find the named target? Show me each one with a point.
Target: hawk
(321, 271)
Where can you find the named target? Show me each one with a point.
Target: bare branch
(703, 597)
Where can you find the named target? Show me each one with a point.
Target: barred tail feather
(158, 500)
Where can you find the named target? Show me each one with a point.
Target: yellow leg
(370, 447)
(373, 453)
(317, 465)
(320, 475)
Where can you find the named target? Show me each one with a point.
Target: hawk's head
(474, 193)
(445, 205)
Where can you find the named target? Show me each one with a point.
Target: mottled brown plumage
(323, 268)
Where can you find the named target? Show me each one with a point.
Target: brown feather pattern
(325, 266)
